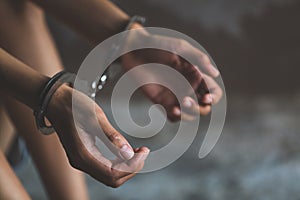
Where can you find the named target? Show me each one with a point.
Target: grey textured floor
(257, 157)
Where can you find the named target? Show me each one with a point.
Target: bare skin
(200, 82)
(25, 29)
(79, 145)
(7, 132)
(11, 188)
(114, 22)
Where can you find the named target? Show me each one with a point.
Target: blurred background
(256, 46)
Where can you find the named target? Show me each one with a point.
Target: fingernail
(207, 99)
(145, 155)
(176, 111)
(187, 103)
(215, 71)
(126, 152)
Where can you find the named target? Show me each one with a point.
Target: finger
(121, 181)
(128, 177)
(139, 157)
(207, 99)
(190, 106)
(201, 91)
(93, 163)
(175, 114)
(187, 117)
(133, 165)
(205, 62)
(205, 110)
(113, 139)
(193, 108)
(179, 114)
(198, 57)
(214, 89)
(191, 72)
(216, 96)
(111, 174)
(169, 101)
(136, 149)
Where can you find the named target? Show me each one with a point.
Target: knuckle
(174, 60)
(218, 97)
(205, 59)
(139, 167)
(183, 42)
(111, 177)
(116, 184)
(206, 111)
(220, 94)
(113, 182)
(181, 45)
(114, 136)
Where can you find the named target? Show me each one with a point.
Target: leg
(26, 36)
(6, 130)
(10, 186)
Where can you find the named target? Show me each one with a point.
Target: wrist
(60, 101)
(136, 37)
(46, 95)
(40, 82)
(136, 32)
(135, 25)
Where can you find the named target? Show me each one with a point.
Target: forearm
(94, 19)
(20, 81)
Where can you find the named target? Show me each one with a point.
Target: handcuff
(100, 81)
(45, 96)
(65, 77)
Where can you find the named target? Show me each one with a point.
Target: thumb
(114, 140)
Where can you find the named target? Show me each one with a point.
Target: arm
(78, 142)
(20, 81)
(94, 19)
(99, 19)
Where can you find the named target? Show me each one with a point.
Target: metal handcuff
(65, 77)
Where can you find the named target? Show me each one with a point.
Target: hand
(200, 82)
(79, 141)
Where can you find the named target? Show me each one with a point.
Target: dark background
(256, 46)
